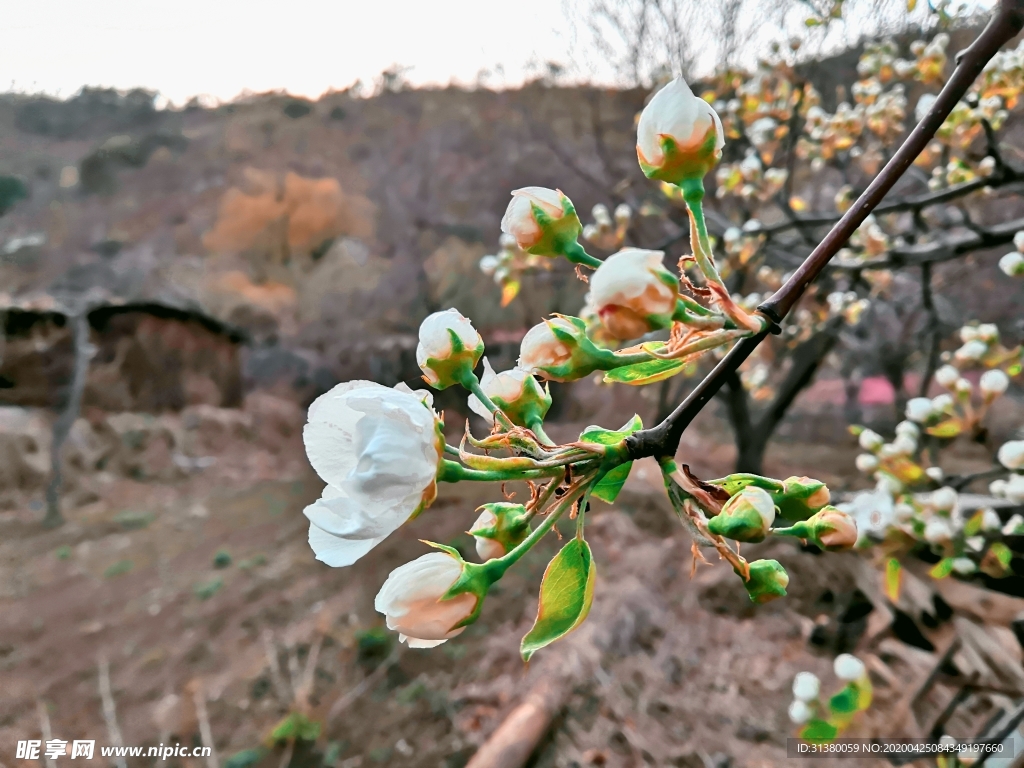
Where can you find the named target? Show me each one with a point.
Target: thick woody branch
(663, 439)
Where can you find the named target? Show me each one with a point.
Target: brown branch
(663, 439)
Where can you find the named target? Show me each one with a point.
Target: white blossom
(1014, 489)
(972, 351)
(988, 332)
(947, 375)
(675, 113)
(944, 499)
(975, 543)
(488, 549)
(964, 566)
(919, 409)
(799, 712)
(806, 686)
(908, 428)
(520, 220)
(540, 347)
(848, 667)
(1014, 526)
(904, 445)
(942, 403)
(935, 473)
(435, 342)
(1012, 264)
(990, 520)
(1011, 454)
(411, 601)
(378, 450)
(872, 511)
(867, 463)
(869, 440)
(629, 288)
(994, 382)
(937, 530)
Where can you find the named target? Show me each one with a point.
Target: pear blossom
(436, 355)
(947, 376)
(937, 530)
(971, 351)
(908, 429)
(872, 511)
(968, 333)
(964, 566)
(1014, 526)
(886, 483)
(1013, 489)
(515, 391)
(919, 409)
(412, 600)
(806, 686)
(994, 382)
(866, 463)
(869, 440)
(679, 135)
(848, 667)
(378, 449)
(935, 473)
(487, 548)
(988, 332)
(1011, 454)
(541, 350)
(799, 712)
(944, 499)
(975, 543)
(633, 293)
(990, 520)
(942, 404)
(904, 445)
(1012, 264)
(541, 220)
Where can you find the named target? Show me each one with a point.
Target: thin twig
(44, 727)
(205, 732)
(276, 678)
(110, 710)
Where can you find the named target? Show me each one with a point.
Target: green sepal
(678, 166)
(458, 366)
(768, 581)
(615, 469)
(740, 525)
(818, 732)
(647, 372)
(530, 407)
(566, 594)
(557, 235)
(511, 528)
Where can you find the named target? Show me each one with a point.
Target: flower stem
(537, 427)
(453, 472)
(472, 383)
(575, 253)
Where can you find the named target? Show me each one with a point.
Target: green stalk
(453, 472)
(575, 253)
(537, 427)
(472, 383)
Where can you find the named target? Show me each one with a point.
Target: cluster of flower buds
(508, 266)
(1003, 76)
(1012, 264)
(749, 180)
(848, 304)
(929, 62)
(822, 720)
(606, 232)
(1011, 456)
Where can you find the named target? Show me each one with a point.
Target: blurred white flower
(870, 441)
(867, 463)
(411, 601)
(378, 450)
(806, 686)
(990, 520)
(871, 510)
(919, 409)
(988, 332)
(972, 351)
(1014, 526)
(975, 543)
(799, 712)
(964, 566)
(947, 376)
(908, 428)
(848, 667)
(1012, 264)
(633, 293)
(994, 382)
(1011, 454)
(937, 530)
(942, 404)
(944, 499)
(904, 444)
(935, 473)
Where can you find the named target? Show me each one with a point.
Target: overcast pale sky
(220, 47)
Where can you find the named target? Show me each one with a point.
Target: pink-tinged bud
(679, 136)
(558, 349)
(543, 221)
(412, 600)
(834, 529)
(633, 293)
(516, 392)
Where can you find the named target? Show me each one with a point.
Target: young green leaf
(818, 732)
(647, 372)
(893, 579)
(608, 487)
(566, 592)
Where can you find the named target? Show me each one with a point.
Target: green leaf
(846, 700)
(948, 428)
(942, 569)
(295, 726)
(608, 487)
(566, 593)
(893, 579)
(818, 732)
(647, 372)
(973, 526)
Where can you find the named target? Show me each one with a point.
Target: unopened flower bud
(1014, 526)
(801, 497)
(867, 463)
(500, 528)
(747, 516)
(799, 712)
(908, 429)
(947, 376)
(964, 566)
(1011, 454)
(558, 349)
(517, 393)
(942, 404)
(937, 531)
(806, 686)
(904, 445)
(990, 520)
(413, 600)
(919, 409)
(768, 581)
(623, 214)
(870, 440)
(543, 221)
(829, 528)
(633, 293)
(449, 348)
(935, 473)
(848, 667)
(993, 383)
(988, 332)
(679, 136)
(1012, 264)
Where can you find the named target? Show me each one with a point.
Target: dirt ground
(206, 590)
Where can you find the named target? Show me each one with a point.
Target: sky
(224, 47)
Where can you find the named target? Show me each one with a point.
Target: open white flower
(535, 215)
(1011, 454)
(848, 667)
(679, 135)
(435, 354)
(806, 686)
(378, 450)
(411, 601)
(633, 293)
(872, 511)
